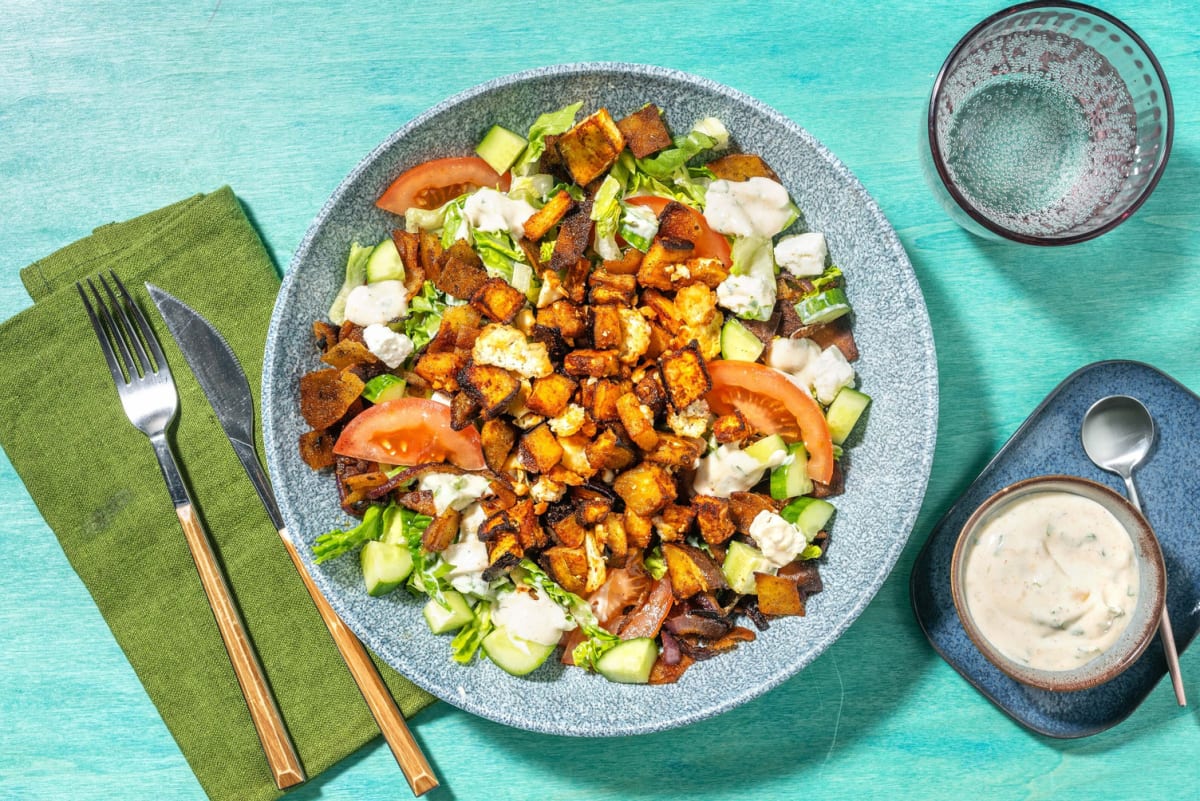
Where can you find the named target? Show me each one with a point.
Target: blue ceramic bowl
(887, 465)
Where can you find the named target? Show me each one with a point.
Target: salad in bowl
(592, 393)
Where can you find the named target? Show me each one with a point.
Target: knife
(224, 383)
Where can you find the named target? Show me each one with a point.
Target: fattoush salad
(590, 394)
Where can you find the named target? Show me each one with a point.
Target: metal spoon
(1117, 433)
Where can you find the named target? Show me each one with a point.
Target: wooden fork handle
(272, 733)
(383, 707)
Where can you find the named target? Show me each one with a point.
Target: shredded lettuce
(498, 252)
(827, 280)
(599, 640)
(811, 552)
(417, 220)
(753, 256)
(454, 221)
(655, 564)
(424, 315)
(356, 275)
(533, 189)
(606, 212)
(550, 123)
(466, 643)
(337, 542)
(664, 165)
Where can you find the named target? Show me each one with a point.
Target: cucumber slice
(384, 566)
(443, 619)
(513, 654)
(810, 515)
(823, 307)
(384, 263)
(848, 405)
(791, 480)
(500, 148)
(742, 561)
(630, 661)
(738, 343)
(383, 388)
(765, 448)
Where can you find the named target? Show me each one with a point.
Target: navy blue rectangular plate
(1048, 442)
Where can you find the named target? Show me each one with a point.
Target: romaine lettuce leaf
(550, 123)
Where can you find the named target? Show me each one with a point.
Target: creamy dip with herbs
(1051, 580)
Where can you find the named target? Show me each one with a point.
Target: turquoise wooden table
(110, 110)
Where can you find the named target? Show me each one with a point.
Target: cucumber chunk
(738, 344)
(742, 561)
(823, 307)
(500, 148)
(513, 654)
(629, 662)
(385, 566)
(791, 480)
(384, 263)
(383, 388)
(810, 515)
(765, 448)
(441, 619)
(848, 405)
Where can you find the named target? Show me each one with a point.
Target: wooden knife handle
(272, 733)
(379, 700)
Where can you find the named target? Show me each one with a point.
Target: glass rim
(944, 172)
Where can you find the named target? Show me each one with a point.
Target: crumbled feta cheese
(489, 210)
(545, 490)
(391, 348)
(635, 335)
(802, 255)
(551, 291)
(506, 347)
(452, 491)
(792, 355)
(691, 421)
(750, 296)
(780, 541)
(442, 398)
(532, 616)
(830, 372)
(568, 421)
(821, 373)
(756, 207)
(380, 302)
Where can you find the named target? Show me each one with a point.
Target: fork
(148, 395)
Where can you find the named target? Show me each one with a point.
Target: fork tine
(117, 334)
(105, 346)
(135, 343)
(160, 360)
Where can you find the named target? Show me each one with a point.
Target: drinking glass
(1049, 124)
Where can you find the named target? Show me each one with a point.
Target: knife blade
(224, 383)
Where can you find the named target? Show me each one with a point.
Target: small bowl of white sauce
(1059, 582)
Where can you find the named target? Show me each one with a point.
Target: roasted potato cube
(606, 326)
(497, 438)
(600, 399)
(530, 534)
(644, 131)
(441, 369)
(429, 253)
(556, 344)
(492, 388)
(638, 529)
(609, 452)
(442, 531)
(564, 525)
(458, 330)
(674, 451)
(614, 537)
(460, 271)
(626, 265)
(568, 318)
(677, 221)
(657, 269)
(497, 299)
(539, 450)
(709, 272)
(349, 353)
(778, 595)
(326, 396)
(591, 147)
(638, 420)
(646, 488)
(325, 334)
(494, 525)
(591, 507)
(707, 337)
(732, 427)
(550, 394)
(548, 216)
(575, 455)
(745, 506)
(606, 287)
(567, 566)
(691, 570)
(713, 519)
(684, 375)
(674, 522)
(590, 362)
(696, 304)
(463, 410)
(316, 449)
(575, 280)
(574, 236)
(661, 309)
(741, 167)
(649, 390)
(504, 553)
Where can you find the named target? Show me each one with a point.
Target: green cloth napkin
(96, 481)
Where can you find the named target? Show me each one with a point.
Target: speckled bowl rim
(920, 467)
(1149, 557)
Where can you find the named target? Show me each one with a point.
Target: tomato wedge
(410, 431)
(429, 185)
(712, 245)
(773, 405)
